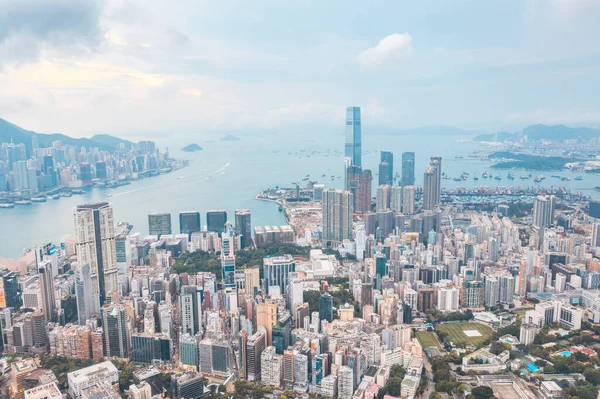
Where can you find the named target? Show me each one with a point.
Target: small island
(191, 148)
(230, 137)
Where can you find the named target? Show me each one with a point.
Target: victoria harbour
(228, 174)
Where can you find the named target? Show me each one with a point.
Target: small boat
(23, 202)
(280, 208)
(597, 188)
(55, 196)
(475, 177)
(579, 178)
(484, 175)
(322, 175)
(556, 176)
(7, 206)
(498, 178)
(537, 179)
(38, 199)
(510, 176)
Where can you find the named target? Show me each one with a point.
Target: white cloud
(576, 7)
(394, 46)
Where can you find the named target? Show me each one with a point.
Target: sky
(187, 67)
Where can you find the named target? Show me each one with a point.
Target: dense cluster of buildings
(30, 170)
(107, 293)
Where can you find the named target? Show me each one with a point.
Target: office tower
(560, 283)
(116, 331)
(386, 168)
(215, 221)
(254, 348)
(338, 209)
(408, 200)
(345, 382)
(271, 367)
(95, 234)
(359, 182)
(383, 198)
(188, 385)
(228, 257)
(595, 241)
(86, 300)
(266, 316)
(371, 223)
(543, 210)
(318, 192)
(150, 348)
(326, 307)
(282, 332)
(408, 169)
(432, 184)
(188, 351)
(300, 312)
(385, 224)
(190, 304)
(276, 272)
(353, 135)
(46, 284)
(243, 227)
(159, 224)
(189, 222)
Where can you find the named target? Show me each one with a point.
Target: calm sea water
(227, 175)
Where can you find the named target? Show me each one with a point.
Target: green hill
(11, 132)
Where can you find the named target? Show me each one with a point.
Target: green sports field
(456, 333)
(427, 339)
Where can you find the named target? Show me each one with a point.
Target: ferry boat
(23, 202)
(6, 206)
(38, 199)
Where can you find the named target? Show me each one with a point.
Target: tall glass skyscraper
(386, 168)
(408, 169)
(353, 135)
(189, 222)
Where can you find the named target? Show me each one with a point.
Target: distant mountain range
(9, 131)
(543, 132)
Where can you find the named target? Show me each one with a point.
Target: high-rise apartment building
(159, 224)
(46, 285)
(543, 210)
(189, 222)
(353, 135)
(432, 184)
(345, 382)
(408, 200)
(386, 168)
(383, 198)
(358, 182)
(271, 367)
(95, 235)
(338, 209)
(243, 227)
